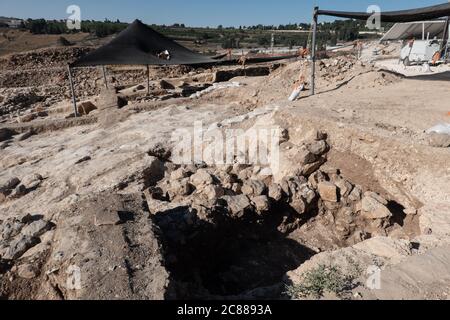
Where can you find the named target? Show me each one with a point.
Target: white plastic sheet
(296, 93)
(442, 128)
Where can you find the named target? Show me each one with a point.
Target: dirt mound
(31, 99)
(19, 101)
(373, 79)
(330, 74)
(63, 42)
(284, 78)
(43, 58)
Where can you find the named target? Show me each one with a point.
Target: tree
(230, 43)
(264, 41)
(205, 36)
(100, 30)
(38, 26)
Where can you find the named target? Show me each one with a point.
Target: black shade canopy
(421, 14)
(140, 45)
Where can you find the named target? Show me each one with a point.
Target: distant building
(14, 23)
(10, 22)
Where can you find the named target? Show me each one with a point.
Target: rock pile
(16, 188)
(336, 67)
(204, 194)
(27, 91)
(44, 58)
(231, 206)
(19, 234)
(20, 100)
(439, 140)
(353, 216)
(329, 73)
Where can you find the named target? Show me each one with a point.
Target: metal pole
(313, 53)
(148, 80)
(104, 77)
(272, 43)
(72, 89)
(446, 45)
(445, 36)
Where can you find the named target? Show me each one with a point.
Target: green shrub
(318, 281)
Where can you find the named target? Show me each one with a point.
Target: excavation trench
(211, 253)
(229, 258)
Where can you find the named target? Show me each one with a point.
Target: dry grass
(12, 41)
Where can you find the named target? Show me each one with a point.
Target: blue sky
(197, 12)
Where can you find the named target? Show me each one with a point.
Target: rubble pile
(229, 200)
(20, 100)
(18, 235)
(31, 102)
(25, 242)
(330, 73)
(337, 68)
(346, 68)
(15, 188)
(240, 193)
(33, 78)
(43, 58)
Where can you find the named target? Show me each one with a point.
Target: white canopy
(418, 30)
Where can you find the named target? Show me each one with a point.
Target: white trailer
(420, 51)
(425, 39)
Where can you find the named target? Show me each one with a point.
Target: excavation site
(140, 165)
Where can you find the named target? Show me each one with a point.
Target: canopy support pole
(105, 79)
(72, 89)
(445, 38)
(313, 52)
(447, 43)
(148, 80)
